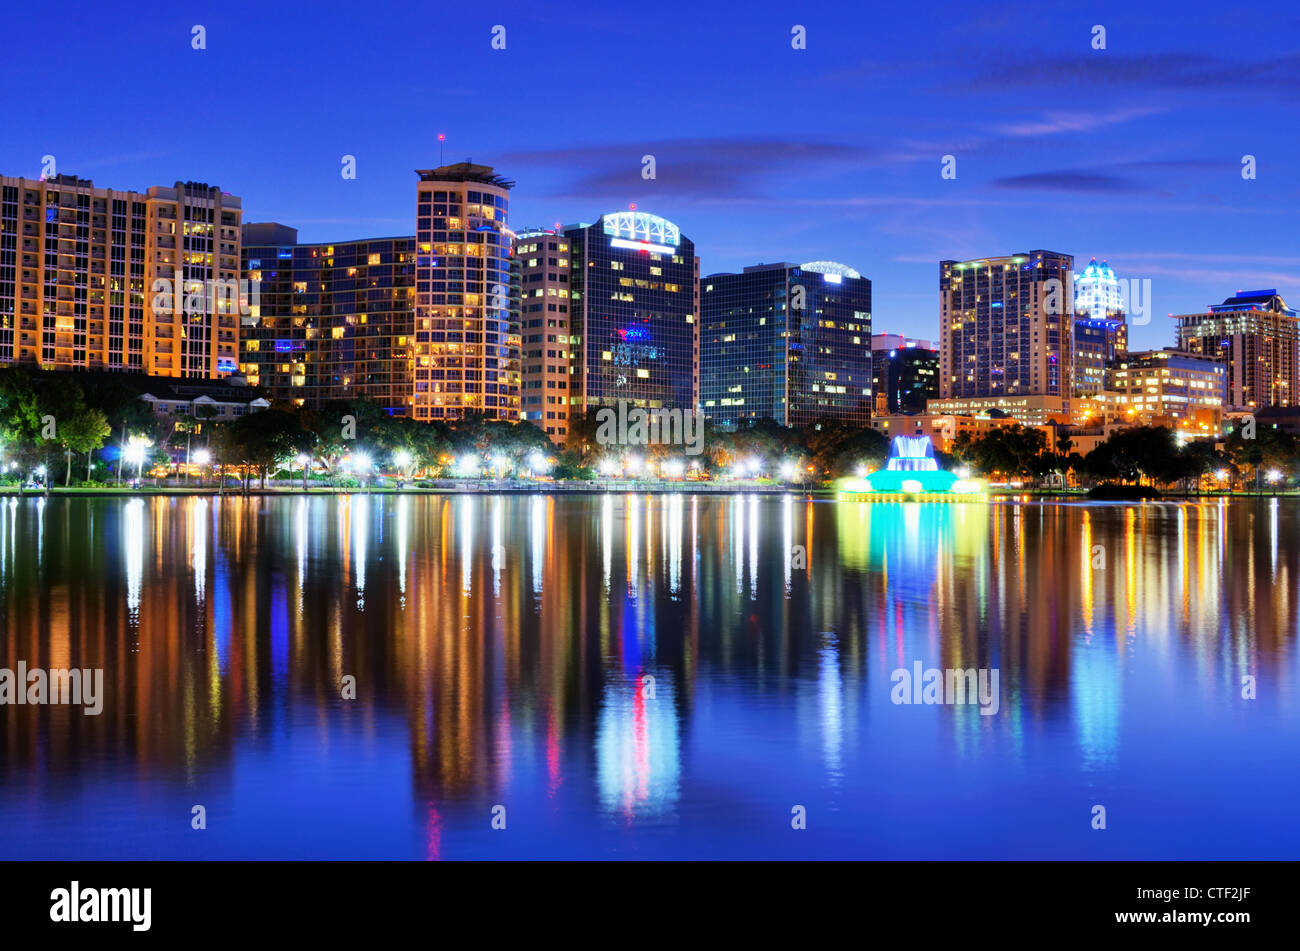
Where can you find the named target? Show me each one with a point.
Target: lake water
(501, 647)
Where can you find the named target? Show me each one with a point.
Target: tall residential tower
(94, 278)
(1254, 333)
(466, 350)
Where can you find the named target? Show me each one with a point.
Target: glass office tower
(789, 342)
(634, 285)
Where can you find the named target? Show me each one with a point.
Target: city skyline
(1163, 120)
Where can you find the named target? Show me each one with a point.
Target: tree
(261, 440)
(84, 431)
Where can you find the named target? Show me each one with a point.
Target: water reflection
(500, 647)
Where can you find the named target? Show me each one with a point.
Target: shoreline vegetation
(69, 433)
(1101, 493)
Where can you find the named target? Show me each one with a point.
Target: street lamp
(201, 458)
(1273, 476)
(303, 459)
(135, 453)
(360, 463)
(403, 460)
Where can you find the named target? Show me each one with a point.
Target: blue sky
(763, 153)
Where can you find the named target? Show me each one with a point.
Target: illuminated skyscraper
(335, 320)
(1254, 333)
(1100, 331)
(466, 347)
(789, 342)
(93, 278)
(634, 301)
(1006, 326)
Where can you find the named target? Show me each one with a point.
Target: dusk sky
(764, 153)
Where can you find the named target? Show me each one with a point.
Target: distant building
(466, 351)
(1026, 410)
(1006, 326)
(1151, 386)
(548, 344)
(335, 319)
(1100, 330)
(633, 311)
(217, 407)
(1254, 334)
(789, 342)
(942, 428)
(904, 373)
(95, 278)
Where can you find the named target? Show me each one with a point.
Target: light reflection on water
(650, 676)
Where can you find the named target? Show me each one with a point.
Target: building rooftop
(464, 172)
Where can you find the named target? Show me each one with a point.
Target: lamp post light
(1274, 476)
(303, 460)
(402, 459)
(135, 452)
(360, 463)
(201, 458)
(538, 465)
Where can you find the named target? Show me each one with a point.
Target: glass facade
(1099, 342)
(787, 342)
(634, 303)
(904, 379)
(335, 321)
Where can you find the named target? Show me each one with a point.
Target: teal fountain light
(911, 470)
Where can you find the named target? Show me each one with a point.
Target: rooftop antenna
(441, 139)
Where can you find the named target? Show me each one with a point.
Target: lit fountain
(911, 472)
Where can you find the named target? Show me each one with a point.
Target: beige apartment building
(95, 278)
(466, 349)
(548, 346)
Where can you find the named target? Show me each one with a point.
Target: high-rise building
(94, 278)
(1254, 334)
(335, 321)
(1006, 326)
(789, 342)
(904, 373)
(633, 308)
(1100, 330)
(466, 344)
(548, 344)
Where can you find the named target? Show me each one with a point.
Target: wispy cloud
(1174, 70)
(1070, 180)
(690, 168)
(1075, 120)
